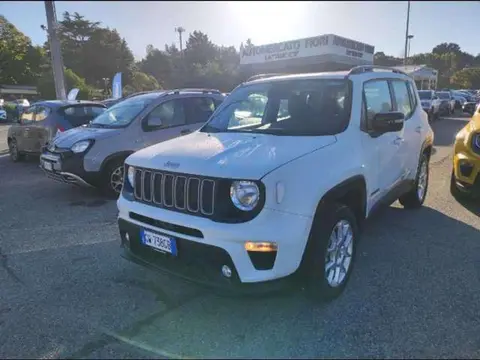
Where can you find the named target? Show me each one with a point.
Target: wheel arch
(121, 155)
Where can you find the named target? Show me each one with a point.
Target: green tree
(143, 82)
(466, 79)
(19, 60)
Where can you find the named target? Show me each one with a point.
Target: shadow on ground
(446, 129)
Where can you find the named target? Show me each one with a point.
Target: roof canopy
(419, 72)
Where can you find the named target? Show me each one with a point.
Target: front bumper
(289, 231)
(67, 167)
(466, 169)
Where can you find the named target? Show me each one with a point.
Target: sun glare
(269, 22)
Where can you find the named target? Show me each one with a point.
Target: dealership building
(315, 54)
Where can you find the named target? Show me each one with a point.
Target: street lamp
(409, 37)
(406, 35)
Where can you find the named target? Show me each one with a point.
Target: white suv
(267, 189)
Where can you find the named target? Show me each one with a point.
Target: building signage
(314, 46)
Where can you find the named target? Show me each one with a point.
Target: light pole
(55, 51)
(406, 34)
(410, 37)
(180, 30)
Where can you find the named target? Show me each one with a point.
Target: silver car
(94, 154)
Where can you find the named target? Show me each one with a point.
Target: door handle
(418, 129)
(185, 132)
(398, 141)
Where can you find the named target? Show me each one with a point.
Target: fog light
(226, 271)
(261, 246)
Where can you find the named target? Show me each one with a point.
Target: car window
(377, 98)
(411, 92)
(425, 95)
(298, 107)
(28, 115)
(402, 99)
(170, 113)
(198, 109)
(41, 113)
(80, 115)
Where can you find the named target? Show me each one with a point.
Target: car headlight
(80, 146)
(245, 195)
(131, 176)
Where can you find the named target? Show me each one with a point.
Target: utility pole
(55, 51)
(180, 30)
(406, 35)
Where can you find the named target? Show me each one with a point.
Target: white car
(238, 205)
(430, 103)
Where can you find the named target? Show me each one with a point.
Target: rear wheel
(331, 252)
(416, 196)
(113, 178)
(15, 154)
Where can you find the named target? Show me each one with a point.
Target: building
(315, 54)
(11, 92)
(425, 77)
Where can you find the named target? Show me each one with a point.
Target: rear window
(81, 115)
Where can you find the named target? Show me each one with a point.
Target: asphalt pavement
(66, 292)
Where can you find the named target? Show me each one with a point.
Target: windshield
(443, 95)
(123, 113)
(292, 107)
(425, 95)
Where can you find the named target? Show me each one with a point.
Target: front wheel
(416, 196)
(454, 190)
(113, 179)
(331, 252)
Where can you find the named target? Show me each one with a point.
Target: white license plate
(159, 242)
(47, 166)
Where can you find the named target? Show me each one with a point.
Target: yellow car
(466, 160)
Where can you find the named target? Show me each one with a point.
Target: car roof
(61, 103)
(306, 76)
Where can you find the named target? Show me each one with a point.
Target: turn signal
(260, 246)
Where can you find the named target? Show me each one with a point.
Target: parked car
(43, 120)
(110, 102)
(447, 104)
(3, 114)
(470, 107)
(430, 103)
(240, 205)
(94, 154)
(459, 100)
(465, 179)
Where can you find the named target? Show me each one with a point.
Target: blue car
(42, 121)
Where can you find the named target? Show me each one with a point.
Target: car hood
(227, 155)
(70, 137)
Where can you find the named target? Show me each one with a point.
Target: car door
(39, 131)
(166, 121)
(198, 110)
(24, 138)
(378, 99)
(406, 102)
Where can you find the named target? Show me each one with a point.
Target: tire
(416, 196)
(454, 190)
(113, 174)
(15, 154)
(320, 285)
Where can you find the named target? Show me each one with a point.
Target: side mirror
(387, 122)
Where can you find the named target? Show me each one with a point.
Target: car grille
(180, 192)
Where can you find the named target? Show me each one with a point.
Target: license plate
(159, 242)
(47, 166)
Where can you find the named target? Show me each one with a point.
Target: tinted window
(198, 109)
(81, 115)
(377, 98)
(306, 107)
(443, 95)
(413, 98)
(425, 95)
(169, 113)
(402, 98)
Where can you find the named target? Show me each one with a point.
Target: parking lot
(66, 292)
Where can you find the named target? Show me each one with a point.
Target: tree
(19, 60)
(466, 79)
(143, 82)
(199, 49)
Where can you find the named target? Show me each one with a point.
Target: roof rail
(205, 91)
(262, 76)
(370, 68)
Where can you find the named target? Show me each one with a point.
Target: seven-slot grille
(175, 191)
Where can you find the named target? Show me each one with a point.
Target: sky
(381, 24)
